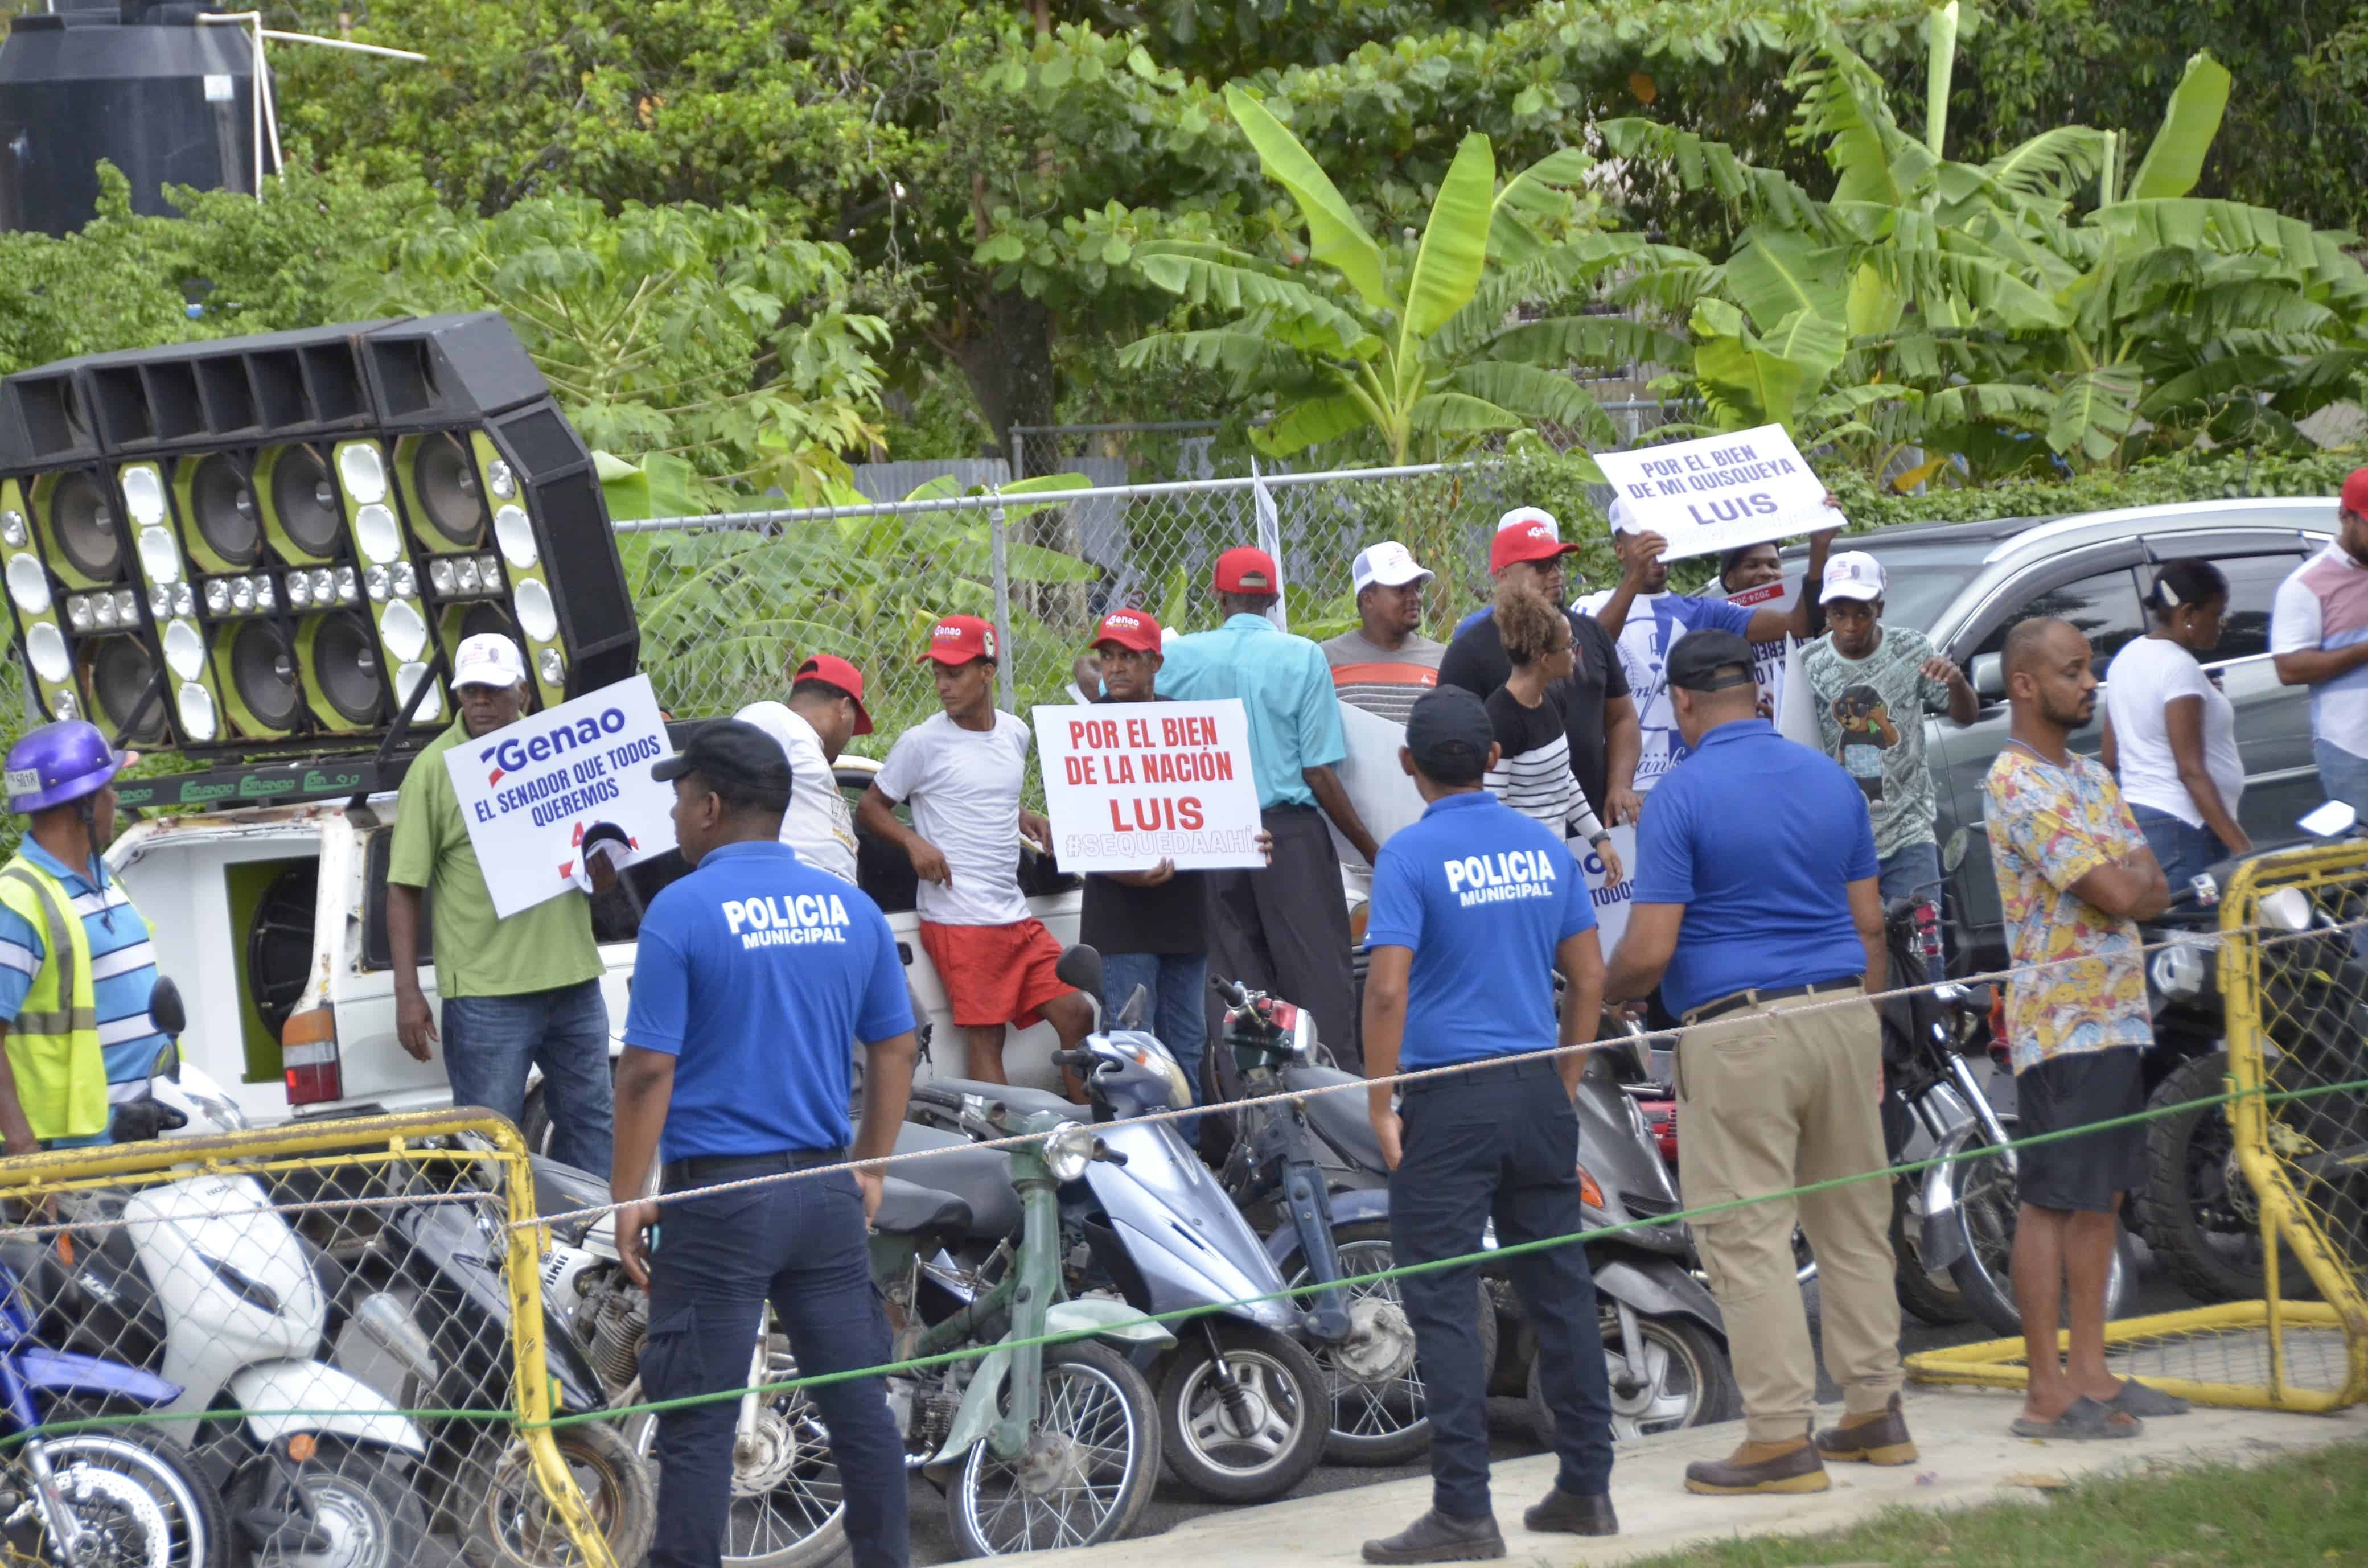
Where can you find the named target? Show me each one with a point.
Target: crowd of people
(1761, 871)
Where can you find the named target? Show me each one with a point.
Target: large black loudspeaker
(268, 544)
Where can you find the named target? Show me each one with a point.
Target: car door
(2097, 591)
(2272, 720)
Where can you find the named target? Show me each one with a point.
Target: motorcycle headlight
(1068, 1151)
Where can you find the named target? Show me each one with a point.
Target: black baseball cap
(1698, 659)
(1449, 735)
(730, 752)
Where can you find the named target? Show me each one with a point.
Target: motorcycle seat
(923, 1212)
(1339, 1118)
(1022, 1101)
(980, 1177)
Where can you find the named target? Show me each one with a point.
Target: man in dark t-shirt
(1603, 733)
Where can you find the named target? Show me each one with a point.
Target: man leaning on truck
(517, 992)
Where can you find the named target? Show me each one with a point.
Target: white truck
(272, 920)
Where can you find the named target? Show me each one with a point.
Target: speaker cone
(83, 522)
(263, 669)
(223, 502)
(307, 500)
(121, 674)
(445, 479)
(345, 663)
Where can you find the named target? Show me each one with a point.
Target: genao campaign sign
(1130, 784)
(1718, 493)
(532, 793)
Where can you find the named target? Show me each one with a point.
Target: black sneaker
(1569, 1514)
(1435, 1538)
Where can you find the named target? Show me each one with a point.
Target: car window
(2104, 606)
(2252, 584)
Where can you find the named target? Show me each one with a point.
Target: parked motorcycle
(1359, 1333)
(1243, 1406)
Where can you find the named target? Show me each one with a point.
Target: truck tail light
(308, 1057)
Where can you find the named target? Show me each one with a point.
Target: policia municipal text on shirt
(754, 971)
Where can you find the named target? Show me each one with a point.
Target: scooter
(1243, 1406)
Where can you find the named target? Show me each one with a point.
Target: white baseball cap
(1852, 574)
(1390, 564)
(488, 659)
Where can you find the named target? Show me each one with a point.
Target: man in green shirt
(519, 992)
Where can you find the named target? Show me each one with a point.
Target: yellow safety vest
(53, 1046)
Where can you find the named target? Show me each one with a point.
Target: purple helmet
(59, 763)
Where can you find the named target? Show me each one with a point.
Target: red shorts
(995, 974)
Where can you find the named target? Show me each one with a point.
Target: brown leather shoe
(1761, 1467)
(1879, 1438)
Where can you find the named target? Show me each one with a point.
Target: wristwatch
(1601, 839)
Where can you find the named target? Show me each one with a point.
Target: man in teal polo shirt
(1283, 928)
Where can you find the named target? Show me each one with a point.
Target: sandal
(2083, 1421)
(2137, 1399)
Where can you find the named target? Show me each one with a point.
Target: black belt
(1726, 1005)
(1482, 1071)
(705, 1170)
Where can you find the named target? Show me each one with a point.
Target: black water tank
(167, 100)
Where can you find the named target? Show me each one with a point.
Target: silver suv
(1966, 584)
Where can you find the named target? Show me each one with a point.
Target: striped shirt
(1533, 773)
(122, 972)
(1386, 681)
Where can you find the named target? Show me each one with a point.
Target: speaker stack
(260, 545)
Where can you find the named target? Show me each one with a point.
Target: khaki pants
(1774, 1096)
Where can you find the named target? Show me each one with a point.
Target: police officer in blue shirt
(1474, 908)
(754, 971)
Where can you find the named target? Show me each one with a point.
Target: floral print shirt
(2049, 826)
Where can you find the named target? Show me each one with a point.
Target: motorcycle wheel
(147, 1504)
(508, 1524)
(2195, 1210)
(1255, 1449)
(1382, 1421)
(1091, 1459)
(1986, 1208)
(1932, 1297)
(1687, 1380)
(788, 1509)
(363, 1501)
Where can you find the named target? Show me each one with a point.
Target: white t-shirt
(963, 786)
(2321, 607)
(2145, 679)
(1654, 623)
(817, 824)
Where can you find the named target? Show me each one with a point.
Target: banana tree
(1418, 343)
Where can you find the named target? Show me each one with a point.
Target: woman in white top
(1531, 716)
(2170, 733)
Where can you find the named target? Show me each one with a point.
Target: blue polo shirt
(754, 972)
(1760, 838)
(1482, 896)
(1285, 685)
(123, 968)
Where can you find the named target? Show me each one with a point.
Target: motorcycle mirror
(1131, 1016)
(165, 1009)
(1953, 855)
(1081, 966)
(2332, 820)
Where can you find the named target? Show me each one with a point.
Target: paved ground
(1174, 1505)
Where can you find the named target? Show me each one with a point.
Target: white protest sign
(1385, 797)
(1612, 900)
(1719, 491)
(1796, 714)
(1130, 784)
(531, 790)
(1768, 659)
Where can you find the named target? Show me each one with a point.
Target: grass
(2311, 1509)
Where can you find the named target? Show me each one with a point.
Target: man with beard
(1384, 663)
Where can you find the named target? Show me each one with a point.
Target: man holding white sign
(518, 992)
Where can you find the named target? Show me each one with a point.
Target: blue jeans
(1912, 870)
(2343, 777)
(2182, 852)
(799, 1243)
(490, 1041)
(1177, 1014)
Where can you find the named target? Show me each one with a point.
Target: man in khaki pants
(1758, 915)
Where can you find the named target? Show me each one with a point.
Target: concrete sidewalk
(1967, 1459)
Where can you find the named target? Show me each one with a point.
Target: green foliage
(2189, 475)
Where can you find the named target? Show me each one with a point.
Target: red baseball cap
(1526, 533)
(959, 639)
(1135, 628)
(1243, 570)
(833, 670)
(2355, 492)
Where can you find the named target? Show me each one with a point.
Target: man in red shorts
(961, 771)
